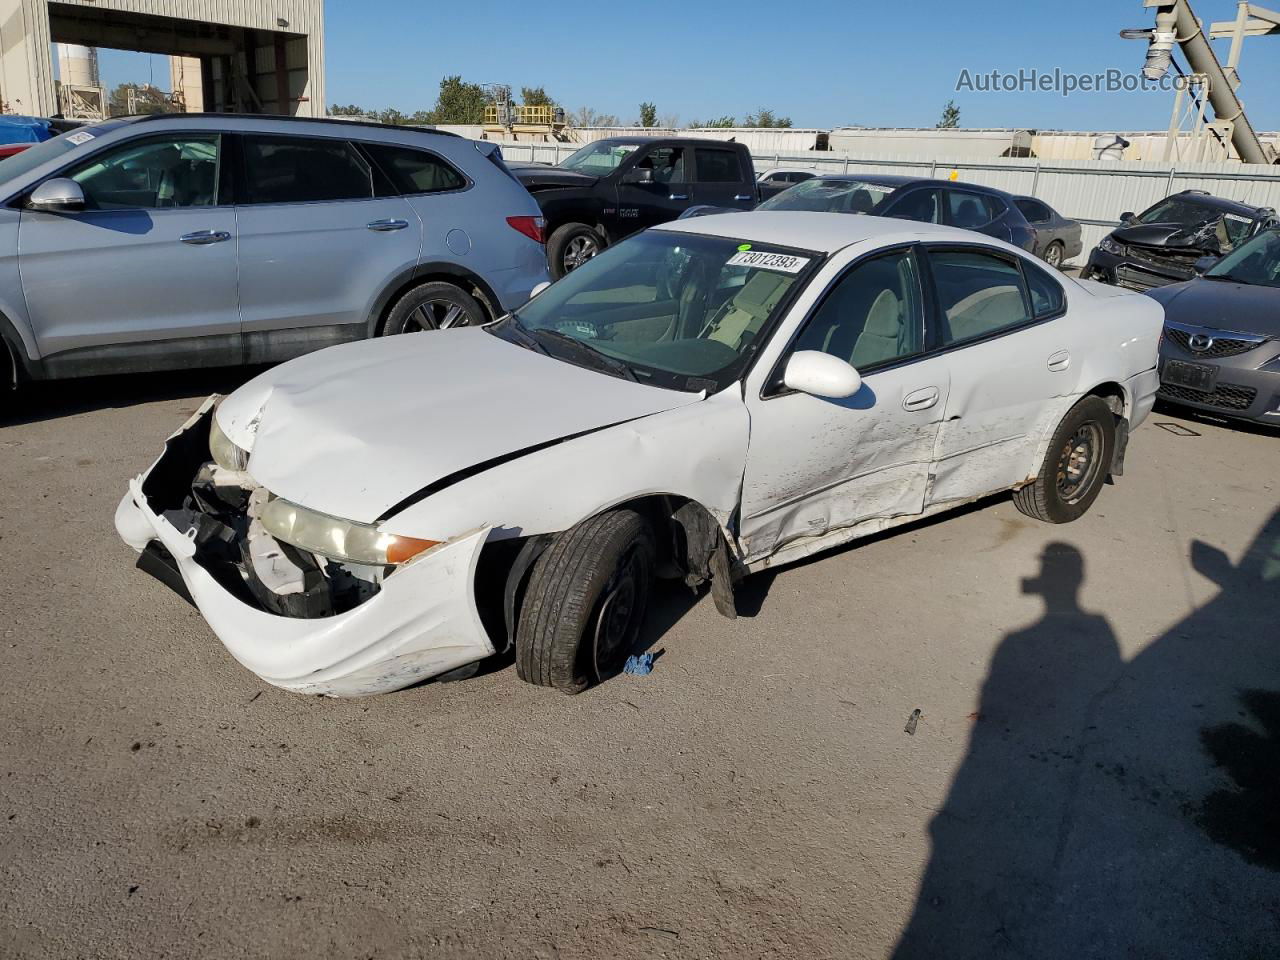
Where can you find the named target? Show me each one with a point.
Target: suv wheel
(1075, 466)
(570, 246)
(434, 306)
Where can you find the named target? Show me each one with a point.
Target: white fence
(1095, 192)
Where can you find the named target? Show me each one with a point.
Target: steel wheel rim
(578, 251)
(436, 315)
(1079, 462)
(621, 610)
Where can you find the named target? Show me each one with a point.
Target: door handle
(678, 196)
(921, 399)
(743, 196)
(202, 237)
(385, 226)
(1059, 361)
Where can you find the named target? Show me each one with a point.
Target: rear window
(970, 210)
(718, 166)
(304, 170)
(415, 171)
(1034, 211)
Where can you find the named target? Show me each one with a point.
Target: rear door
(144, 276)
(1002, 327)
(322, 233)
(971, 210)
(720, 180)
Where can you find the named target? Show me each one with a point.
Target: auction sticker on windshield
(78, 138)
(763, 260)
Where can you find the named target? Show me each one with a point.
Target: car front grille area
(1178, 262)
(1226, 396)
(1221, 346)
(1136, 278)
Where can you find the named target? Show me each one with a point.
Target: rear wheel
(1054, 254)
(585, 603)
(570, 246)
(434, 306)
(1075, 466)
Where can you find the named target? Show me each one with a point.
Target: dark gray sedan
(1221, 348)
(1057, 237)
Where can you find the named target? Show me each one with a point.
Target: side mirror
(639, 175)
(58, 195)
(539, 288)
(1126, 217)
(1203, 265)
(821, 375)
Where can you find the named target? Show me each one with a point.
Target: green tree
(391, 115)
(458, 102)
(950, 116)
(350, 110)
(765, 117)
(587, 117)
(648, 115)
(536, 97)
(722, 122)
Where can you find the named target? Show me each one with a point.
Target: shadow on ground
(51, 399)
(1118, 809)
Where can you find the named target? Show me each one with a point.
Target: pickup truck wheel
(434, 306)
(570, 246)
(1075, 466)
(585, 603)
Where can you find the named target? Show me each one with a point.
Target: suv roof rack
(354, 122)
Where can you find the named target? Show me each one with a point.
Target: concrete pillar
(26, 59)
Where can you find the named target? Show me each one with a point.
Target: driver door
(815, 465)
(152, 257)
(643, 205)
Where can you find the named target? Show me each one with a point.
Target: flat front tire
(434, 306)
(585, 603)
(1075, 466)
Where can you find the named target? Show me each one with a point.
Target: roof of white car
(821, 232)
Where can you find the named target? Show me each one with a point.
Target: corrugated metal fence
(1095, 192)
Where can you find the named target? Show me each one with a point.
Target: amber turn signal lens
(404, 549)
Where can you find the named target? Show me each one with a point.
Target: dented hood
(1200, 237)
(354, 430)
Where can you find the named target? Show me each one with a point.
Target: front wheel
(434, 306)
(585, 603)
(570, 246)
(1075, 466)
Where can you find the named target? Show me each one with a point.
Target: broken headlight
(1110, 246)
(225, 453)
(338, 539)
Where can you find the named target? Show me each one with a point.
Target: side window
(719, 166)
(921, 205)
(160, 172)
(872, 316)
(1047, 297)
(1034, 211)
(667, 164)
(415, 171)
(979, 294)
(304, 170)
(971, 210)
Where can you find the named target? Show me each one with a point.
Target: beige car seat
(748, 310)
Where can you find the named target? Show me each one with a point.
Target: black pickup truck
(612, 188)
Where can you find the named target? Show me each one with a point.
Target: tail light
(532, 227)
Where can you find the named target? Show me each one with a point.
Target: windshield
(1257, 261)
(830, 196)
(21, 163)
(600, 157)
(1188, 214)
(676, 310)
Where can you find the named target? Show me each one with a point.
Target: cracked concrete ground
(1089, 776)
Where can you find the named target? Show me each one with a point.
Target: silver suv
(176, 241)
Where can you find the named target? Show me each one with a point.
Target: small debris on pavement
(912, 721)
(639, 666)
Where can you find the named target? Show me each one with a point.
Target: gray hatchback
(174, 241)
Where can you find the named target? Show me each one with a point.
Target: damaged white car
(702, 401)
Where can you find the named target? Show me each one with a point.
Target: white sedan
(704, 400)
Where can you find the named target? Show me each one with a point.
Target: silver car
(176, 241)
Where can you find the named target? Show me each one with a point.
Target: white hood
(353, 430)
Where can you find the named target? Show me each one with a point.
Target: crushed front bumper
(422, 622)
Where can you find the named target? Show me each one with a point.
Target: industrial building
(243, 56)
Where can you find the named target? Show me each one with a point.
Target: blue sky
(824, 63)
